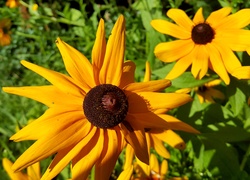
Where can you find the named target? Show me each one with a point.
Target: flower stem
(244, 160)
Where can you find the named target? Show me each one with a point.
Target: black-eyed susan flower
(12, 3)
(94, 111)
(206, 92)
(5, 38)
(204, 43)
(33, 171)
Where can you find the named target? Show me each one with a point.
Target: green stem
(244, 160)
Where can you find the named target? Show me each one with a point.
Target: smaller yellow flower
(34, 7)
(4, 32)
(205, 93)
(12, 3)
(33, 171)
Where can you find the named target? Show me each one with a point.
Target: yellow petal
(126, 173)
(136, 138)
(198, 17)
(47, 146)
(47, 95)
(217, 63)
(53, 121)
(200, 62)
(99, 50)
(164, 167)
(61, 81)
(180, 66)
(176, 124)
(242, 72)
(33, 171)
(111, 70)
(13, 175)
(170, 51)
(229, 59)
(159, 147)
(76, 64)
(148, 120)
(88, 156)
(171, 29)
(128, 75)
(154, 165)
(109, 156)
(129, 156)
(239, 19)
(214, 19)
(156, 85)
(181, 18)
(147, 75)
(63, 157)
(165, 100)
(171, 138)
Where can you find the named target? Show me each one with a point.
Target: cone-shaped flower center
(202, 33)
(105, 106)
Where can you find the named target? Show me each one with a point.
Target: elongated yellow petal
(198, 17)
(47, 95)
(181, 18)
(129, 156)
(47, 146)
(217, 64)
(180, 66)
(171, 138)
(242, 72)
(77, 65)
(165, 100)
(136, 138)
(128, 75)
(200, 62)
(66, 155)
(176, 124)
(170, 51)
(171, 29)
(111, 70)
(61, 81)
(147, 75)
(34, 171)
(219, 14)
(154, 165)
(148, 120)
(99, 50)
(110, 153)
(53, 121)
(159, 147)
(164, 167)
(126, 173)
(156, 85)
(7, 164)
(88, 156)
(239, 20)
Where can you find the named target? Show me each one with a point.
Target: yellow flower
(33, 171)
(202, 43)
(34, 7)
(94, 111)
(206, 92)
(4, 32)
(12, 3)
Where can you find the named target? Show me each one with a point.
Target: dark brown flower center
(202, 88)
(202, 33)
(105, 106)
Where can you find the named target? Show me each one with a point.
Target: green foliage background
(222, 149)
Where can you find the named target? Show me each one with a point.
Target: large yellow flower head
(12, 3)
(204, 43)
(94, 111)
(4, 32)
